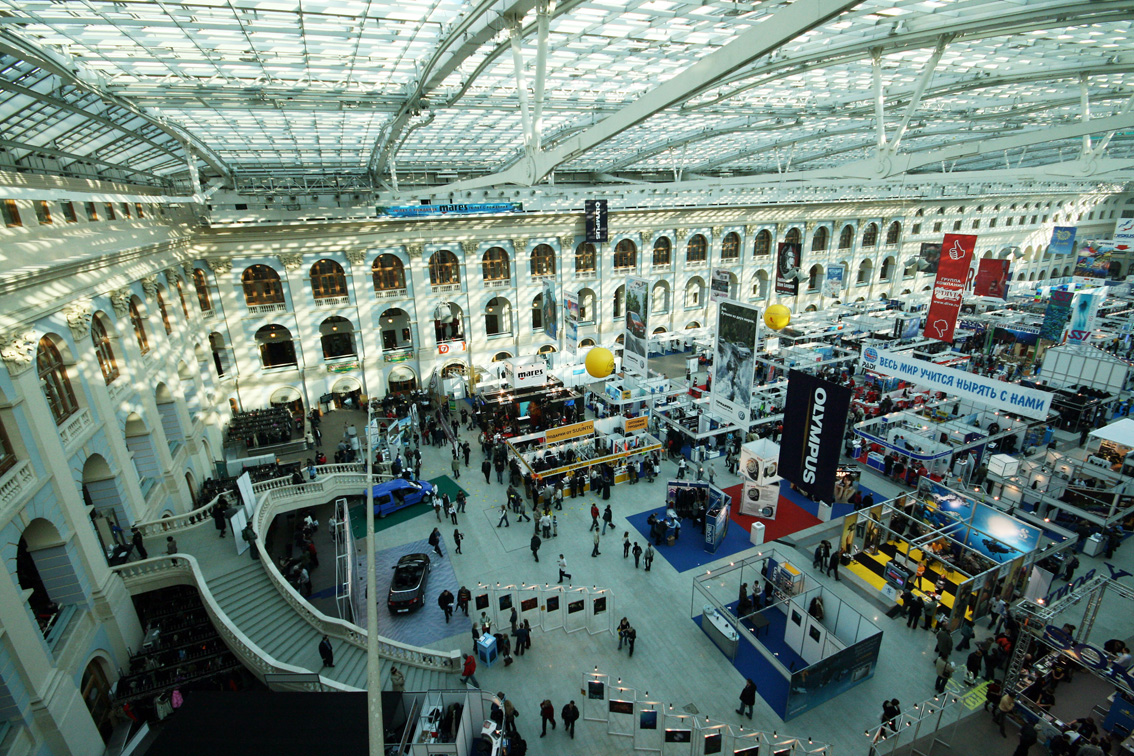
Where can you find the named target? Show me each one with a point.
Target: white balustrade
(13, 485)
(332, 301)
(265, 309)
(389, 293)
(74, 426)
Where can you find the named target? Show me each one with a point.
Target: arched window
(201, 284)
(276, 347)
(792, 236)
(7, 456)
(139, 326)
(389, 273)
(619, 300)
(396, 330)
(328, 280)
(846, 237)
(261, 286)
(586, 343)
(54, 381)
(661, 250)
(894, 233)
(537, 313)
(815, 278)
(819, 241)
(181, 296)
(547, 349)
(887, 271)
(625, 254)
(870, 235)
(697, 250)
(584, 257)
(444, 268)
(763, 244)
(337, 337)
(501, 356)
(730, 246)
(865, 269)
(104, 350)
(543, 261)
(164, 313)
(496, 265)
(498, 317)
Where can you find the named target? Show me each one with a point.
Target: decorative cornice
(718, 232)
(18, 351)
(415, 250)
(355, 256)
(149, 286)
(78, 314)
(120, 299)
(291, 262)
(187, 267)
(220, 265)
(520, 245)
(566, 243)
(171, 276)
(681, 234)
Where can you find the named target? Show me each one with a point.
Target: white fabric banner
(958, 383)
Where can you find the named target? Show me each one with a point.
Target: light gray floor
(674, 661)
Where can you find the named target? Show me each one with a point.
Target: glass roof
(283, 87)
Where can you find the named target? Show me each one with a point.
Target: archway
(106, 503)
(394, 324)
(448, 322)
(276, 347)
(347, 392)
(170, 420)
(95, 689)
(288, 396)
(336, 335)
(401, 380)
(45, 566)
(659, 298)
(498, 317)
(865, 268)
(760, 285)
(586, 343)
(695, 293)
(587, 302)
(140, 443)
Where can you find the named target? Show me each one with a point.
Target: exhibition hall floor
(673, 660)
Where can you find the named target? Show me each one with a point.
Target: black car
(407, 590)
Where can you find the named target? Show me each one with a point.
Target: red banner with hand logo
(949, 288)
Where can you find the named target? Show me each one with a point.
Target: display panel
(713, 743)
(481, 601)
(621, 707)
(647, 720)
(678, 736)
(596, 690)
(531, 603)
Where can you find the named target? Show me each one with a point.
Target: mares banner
(787, 264)
(949, 288)
(811, 442)
(992, 279)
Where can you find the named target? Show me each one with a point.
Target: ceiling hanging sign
(1124, 233)
(595, 215)
(949, 288)
(419, 211)
(1063, 240)
(719, 284)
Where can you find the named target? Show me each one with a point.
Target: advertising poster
(787, 264)
(812, 441)
(636, 349)
(836, 277)
(1000, 536)
(571, 321)
(833, 675)
(1062, 240)
(719, 285)
(758, 500)
(1124, 233)
(595, 217)
(1056, 315)
(1084, 308)
(992, 279)
(846, 542)
(929, 257)
(908, 328)
(550, 309)
(1094, 262)
(734, 361)
(948, 290)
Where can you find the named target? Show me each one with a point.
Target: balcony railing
(389, 293)
(497, 283)
(75, 425)
(584, 275)
(441, 288)
(14, 484)
(265, 309)
(332, 301)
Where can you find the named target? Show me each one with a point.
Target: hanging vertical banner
(720, 284)
(929, 258)
(992, 279)
(1056, 315)
(550, 309)
(836, 278)
(635, 354)
(1094, 260)
(734, 361)
(787, 263)
(1083, 310)
(594, 212)
(1124, 233)
(571, 321)
(812, 440)
(949, 288)
(1062, 240)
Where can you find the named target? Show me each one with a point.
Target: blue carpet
(772, 637)
(772, 686)
(427, 624)
(689, 551)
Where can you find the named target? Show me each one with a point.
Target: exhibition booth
(950, 550)
(523, 409)
(615, 441)
(688, 426)
(798, 639)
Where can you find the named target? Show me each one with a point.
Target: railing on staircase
(183, 569)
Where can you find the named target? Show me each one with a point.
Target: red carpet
(789, 517)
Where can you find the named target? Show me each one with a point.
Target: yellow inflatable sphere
(600, 362)
(777, 316)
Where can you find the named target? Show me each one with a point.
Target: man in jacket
(445, 601)
(535, 545)
(747, 698)
(547, 714)
(570, 714)
(944, 643)
(469, 671)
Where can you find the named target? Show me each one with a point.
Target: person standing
(445, 601)
(456, 467)
(833, 563)
(944, 672)
(171, 545)
(637, 551)
(649, 555)
(326, 652)
(503, 516)
(569, 715)
(535, 545)
(249, 535)
(466, 450)
(1028, 738)
(435, 541)
(218, 517)
(509, 716)
(563, 569)
(747, 698)
(607, 519)
(453, 512)
(139, 544)
(595, 552)
(547, 714)
(913, 612)
(486, 468)
(626, 544)
(1004, 707)
(469, 671)
(458, 536)
(944, 642)
(397, 680)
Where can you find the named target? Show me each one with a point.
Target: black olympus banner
(809, 447)
(594, 212)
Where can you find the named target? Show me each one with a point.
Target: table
(486, 650)
(757, 623)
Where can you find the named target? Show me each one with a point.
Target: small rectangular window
(11, 214)
(937, 226)
(42, 212)
(1045, 217)
(956, 225)
(241, 205)
(917, 228)
(92, 212)
(125, 209)
(992, 223)
(69, 212)
(976, 223)
(138, 210)
(1034, 217)
(110, 214)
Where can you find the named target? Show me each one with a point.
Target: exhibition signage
(787, 263)
(636, 349)
(342, 367)
(550, 309)
(1094, 262)
(1084, 307)
(1056, 315)
(417, 211)
(992, 279)
(523, 376)
(719, 284)
(836, 276)
(811, 442)
(636, 423)
(452, 347)
(1093, 658)
(564, 432)
(571, 321)
(734, 361)
(595, 215)
(958, 383)
(949, 288)
(1062, 240)
(1124, 233)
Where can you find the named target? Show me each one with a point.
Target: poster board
(600, 610)
(621, 713)
(553, 608)
(247, 495)
(594, 697)
(575, 605)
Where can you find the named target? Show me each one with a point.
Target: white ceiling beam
(543, 23)
(878, 96)
(919, 91)
(1100, 148)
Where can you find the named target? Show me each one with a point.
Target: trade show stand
(519, 411)
(694, 430)
(559, 451)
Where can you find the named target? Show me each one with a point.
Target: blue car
(398, 493)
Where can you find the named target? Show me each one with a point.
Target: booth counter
(559, 451)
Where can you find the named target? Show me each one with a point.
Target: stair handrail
(185, 569)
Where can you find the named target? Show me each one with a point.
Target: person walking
(563, 569)
(631, 636)
(1005, 706)
(458, 536)
(1028, 738)
(503, 516)
(453, 512)
(138, 544)
(637, 551)
(833, 564)
(435, 541)
(626, 544)
(326, 652)
(171, 545)
(456, 467)
(595, 552)
(486, 468)
(464, 595)
(466, 450)
(891, 710)
(249, 535)
(535, 545)
(594, 517)
(509, 716)
(747, 698)
(547, 714)
(569, 715)
(445, 601)
(469, 671)
(649, 556)
(607, 519)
